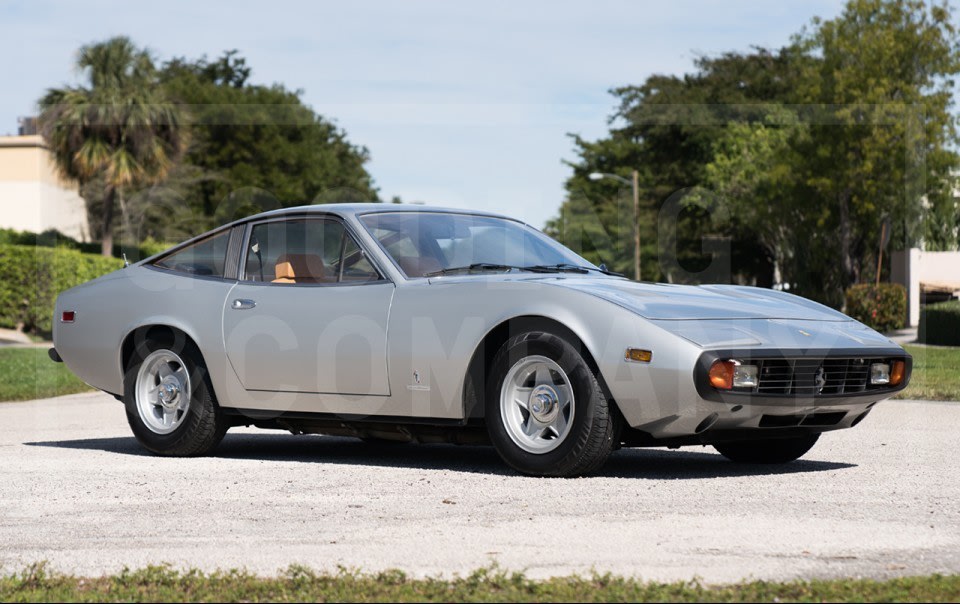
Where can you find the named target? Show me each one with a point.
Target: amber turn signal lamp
(721, 374)
(638, 355)
(897, 369)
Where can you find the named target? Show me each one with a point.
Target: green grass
(28, 373)
(160, 583)
(936, 374)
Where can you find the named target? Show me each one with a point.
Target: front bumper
(741, 415)
(722, 423)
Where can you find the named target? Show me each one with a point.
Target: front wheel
(771, 450)
(545, 410)
(170, 403)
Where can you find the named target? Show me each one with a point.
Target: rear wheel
(545, 410)
(771, 450)
(170, 403)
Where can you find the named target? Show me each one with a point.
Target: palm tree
(119, 128)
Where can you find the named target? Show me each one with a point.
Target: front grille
(815, 377)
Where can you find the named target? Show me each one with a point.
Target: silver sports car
(418, 324)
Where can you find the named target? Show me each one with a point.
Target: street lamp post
(636, 213)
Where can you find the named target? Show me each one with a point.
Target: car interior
(305, 252)
(301, 268)
(424, 244)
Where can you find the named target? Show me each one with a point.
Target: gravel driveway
(879, 500)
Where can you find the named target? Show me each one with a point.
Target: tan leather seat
(300, 268)
(415, 266)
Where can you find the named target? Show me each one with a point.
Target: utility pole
(636, 225)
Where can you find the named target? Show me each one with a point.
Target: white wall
(33, 196)
(39, 206)
(912, 267)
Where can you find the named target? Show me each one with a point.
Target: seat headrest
(299, 268)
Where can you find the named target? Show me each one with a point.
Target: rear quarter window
(207, 257)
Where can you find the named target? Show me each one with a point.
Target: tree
(806, 149)
(255, 147)
(753, 169)
(119, 129)
(884, 83)
(667, 128)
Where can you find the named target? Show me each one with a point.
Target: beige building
(928, 276)
(32, 196)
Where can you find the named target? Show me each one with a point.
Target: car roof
(357, 209)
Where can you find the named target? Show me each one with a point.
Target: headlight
(887, 373)
(879, 373)
(745, 376)
(726, 375)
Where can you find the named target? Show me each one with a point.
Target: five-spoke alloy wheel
(536, 404)
(169, 400)
(546, 412)
(163, 391)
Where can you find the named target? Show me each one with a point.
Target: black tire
(204, 425)
(594, 431)
(771, 450)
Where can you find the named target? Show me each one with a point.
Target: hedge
(883, 308)
(54, 238)
(31, 277)
(940, 324)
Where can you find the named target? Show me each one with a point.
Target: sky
(462, 104)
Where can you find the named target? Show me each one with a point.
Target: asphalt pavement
(879, 500)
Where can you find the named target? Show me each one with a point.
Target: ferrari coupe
(417, 324)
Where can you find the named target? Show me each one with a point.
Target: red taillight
(721, 374)
(68, 316)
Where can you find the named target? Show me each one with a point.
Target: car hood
(665, 301)
(731, 316)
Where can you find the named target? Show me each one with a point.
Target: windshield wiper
(482, 266)
(569, 268)
(535, 268)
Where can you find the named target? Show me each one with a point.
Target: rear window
(207, 257)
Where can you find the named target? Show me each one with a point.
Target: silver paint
(353, 348)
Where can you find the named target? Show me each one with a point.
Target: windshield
(428, 243)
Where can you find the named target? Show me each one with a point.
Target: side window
(304, 251)
(355, 265)
(207, 257)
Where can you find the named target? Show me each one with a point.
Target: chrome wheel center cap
(169, 392)
(544, 403)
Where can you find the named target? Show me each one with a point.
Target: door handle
(243, 304)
